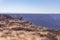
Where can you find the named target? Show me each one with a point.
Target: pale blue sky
(29, 6)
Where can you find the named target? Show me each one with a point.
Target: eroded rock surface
(11, 29)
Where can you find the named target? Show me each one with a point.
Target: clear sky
(29, 6)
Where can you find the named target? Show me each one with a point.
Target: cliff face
(11, 29)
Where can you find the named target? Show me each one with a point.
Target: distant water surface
(48, 20)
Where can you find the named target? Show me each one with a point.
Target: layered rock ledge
(11, 29)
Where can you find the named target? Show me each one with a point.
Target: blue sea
(51, 21)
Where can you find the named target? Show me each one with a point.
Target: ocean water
(51, 21)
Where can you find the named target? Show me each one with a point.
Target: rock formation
(11, 29)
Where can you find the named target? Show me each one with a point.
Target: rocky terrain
(12, 29)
